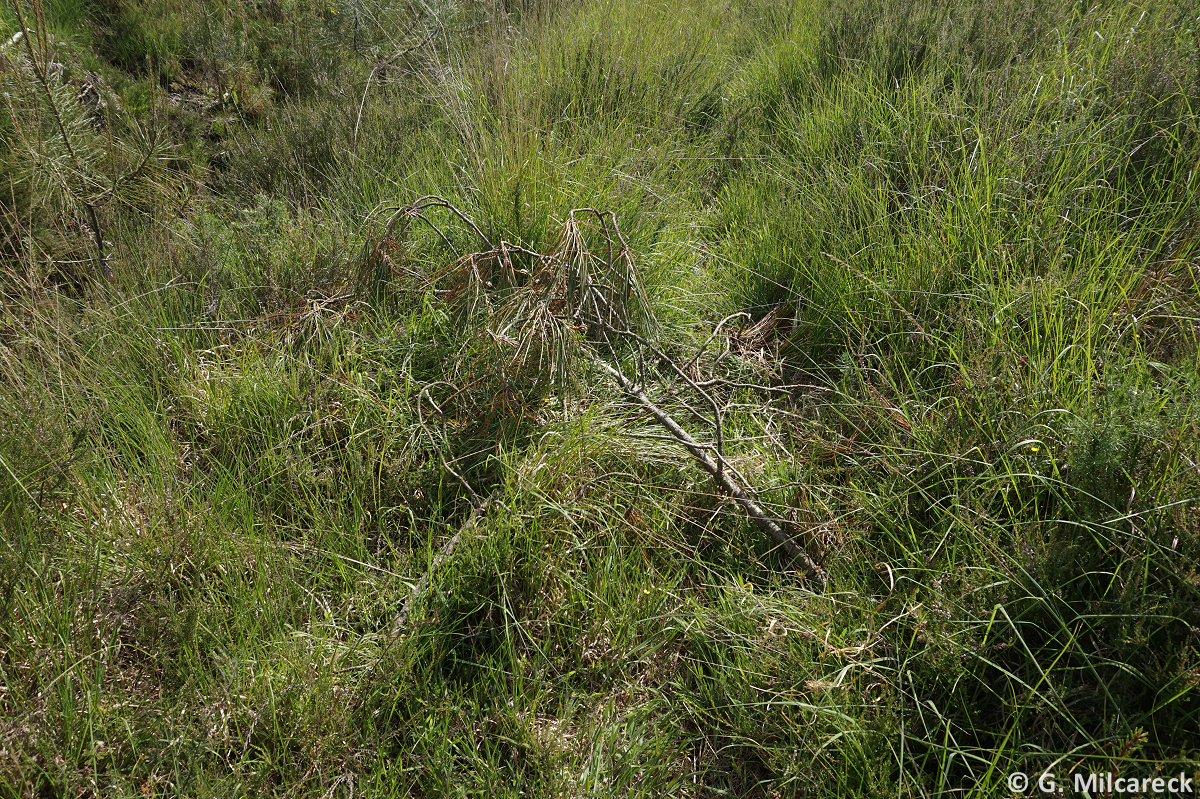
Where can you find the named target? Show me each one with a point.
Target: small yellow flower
(1034, 449)
(645, 590)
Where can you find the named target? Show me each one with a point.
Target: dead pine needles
(547, 307)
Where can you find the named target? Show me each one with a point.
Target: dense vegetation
(248, 396)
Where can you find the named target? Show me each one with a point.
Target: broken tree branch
(722, 478)
(681, 375)
(575, 287)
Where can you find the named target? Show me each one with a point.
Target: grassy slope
(222, 478)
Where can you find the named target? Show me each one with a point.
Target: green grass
(230, 453)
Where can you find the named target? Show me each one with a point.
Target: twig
(445, 552)
(707, 341)
(417, 213)
(39, 71)
(722, 478)
(433, 201)
(475, 500)
(680, 374)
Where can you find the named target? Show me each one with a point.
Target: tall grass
(230, 461)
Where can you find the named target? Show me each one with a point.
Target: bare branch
(723, 480)
(443, 554)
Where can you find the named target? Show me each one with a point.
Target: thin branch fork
(699, 452)
(417, 208)
(681, 375)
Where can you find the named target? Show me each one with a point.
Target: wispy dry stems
(539, 310)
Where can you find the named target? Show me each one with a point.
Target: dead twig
(441, 557)
(424, 395)
(681, 375)
(699, 452)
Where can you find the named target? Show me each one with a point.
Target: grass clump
(311, 482)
